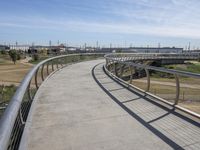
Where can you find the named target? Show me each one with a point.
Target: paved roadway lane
(72, 112)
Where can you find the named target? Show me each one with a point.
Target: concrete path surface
(81, 108)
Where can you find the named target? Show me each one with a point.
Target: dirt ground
(189, 93)
(14, 73)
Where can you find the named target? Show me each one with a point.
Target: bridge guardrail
(14, 118)
(153, 56)
(115, 64)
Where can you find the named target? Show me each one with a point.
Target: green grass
(4, 58)
(189, 98)
(6, 93)
(2, 61)
(193, 67)
(41, 58)
(67, 59)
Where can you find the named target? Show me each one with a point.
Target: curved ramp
(81, 108)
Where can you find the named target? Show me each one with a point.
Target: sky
(120, 22)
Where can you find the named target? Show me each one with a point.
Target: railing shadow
(136, 116)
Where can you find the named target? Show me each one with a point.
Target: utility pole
(16, 45)
(189, 46)
(50, 47)
(97, 45)
(85, 45)
(158, 47)
(50, 43)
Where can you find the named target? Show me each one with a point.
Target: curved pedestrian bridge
(81, 108)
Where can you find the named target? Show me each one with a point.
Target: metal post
(109, 65)
(21, 117)
(47, 68)
(148, 80)
(61, 62)
(57, 63)
(52, 65)
(36, 83)
(131, 76)
(121, 70)
(115, 69)
(106, 63)
(42, 72)
(29, 92)
(177, 89)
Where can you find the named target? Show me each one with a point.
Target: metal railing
(14, 118)
(116, 63)
(154, 56)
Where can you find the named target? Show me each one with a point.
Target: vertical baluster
(148, 79)
(36, 81)
(57, 63)
(177, 89)
(47, 68)
(42, 72)
(52, 65)
(131, 74)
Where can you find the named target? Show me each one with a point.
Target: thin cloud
(97, 27)
(170, 18)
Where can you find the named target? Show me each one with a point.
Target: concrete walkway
(81, 108)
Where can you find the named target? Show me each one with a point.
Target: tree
(119, 51)
(3, 52)
(18, 56)
(43, 52)
(35, 57)
(13, 55)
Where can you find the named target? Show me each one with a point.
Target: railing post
(110, 67)
(131, 76)
(121, 70)
(47, 68)
(106, 63)
(29, 92)
(42, 72)
(36, 83)
(177, 89)
(52, 65)
(21, 116)
(115, 68)
(109, 64)
(148, 79)
(61, 62)
(57, 63)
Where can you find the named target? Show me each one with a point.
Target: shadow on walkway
(96, 73)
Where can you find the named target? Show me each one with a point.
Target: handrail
(112, 57)
(130, 60)
(153, 56)
(14, 117)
